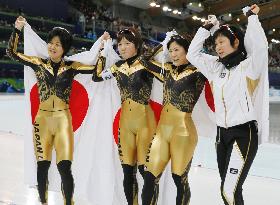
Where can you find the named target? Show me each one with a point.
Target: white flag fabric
(95, 109)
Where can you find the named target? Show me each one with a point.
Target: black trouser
(150, 190)
(130, 184)
(67, 186)
(42, 179)
(236, 149)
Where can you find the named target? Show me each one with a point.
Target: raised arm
(152, 66)
(256, 44)
(107, 57)
(154, 62)
(13, 44)
(99, 74)
(206, 64)
(155, 51)
(83, 68)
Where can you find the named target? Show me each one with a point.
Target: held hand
(164, 43)
(171, 33)
(213, 20)
(105, 36)
(255, 9)
(106, 48)
(249, 10)
(20, 22)
(211, 24)
(207, 24)
(168, 36)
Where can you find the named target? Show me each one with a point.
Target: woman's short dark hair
(182, 40)
(64, 36)
(132, 35)
(231, 32)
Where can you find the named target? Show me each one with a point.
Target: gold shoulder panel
(125, 69)
(187, 72)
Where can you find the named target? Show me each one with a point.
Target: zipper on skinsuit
(224, 103)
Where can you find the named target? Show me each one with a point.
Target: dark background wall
(50, 8)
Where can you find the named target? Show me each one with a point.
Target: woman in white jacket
(233, 77)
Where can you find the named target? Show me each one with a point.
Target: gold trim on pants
(175, 139)
(137, 125)
(53, 129)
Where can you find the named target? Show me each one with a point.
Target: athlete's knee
(129, 174)
(127, 169)
(42, 171)
(178, 181)
(64, 168)
(149, 179)
(43, 166)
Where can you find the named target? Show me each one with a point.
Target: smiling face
(127, 49)
(177, 54)
(55, 49)
(223, 46)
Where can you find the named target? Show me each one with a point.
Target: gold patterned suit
(53, 123)
(137, 120)
(176, 135)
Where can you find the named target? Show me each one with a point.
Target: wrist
(17, 30)
(250, 13)
(208, 26)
